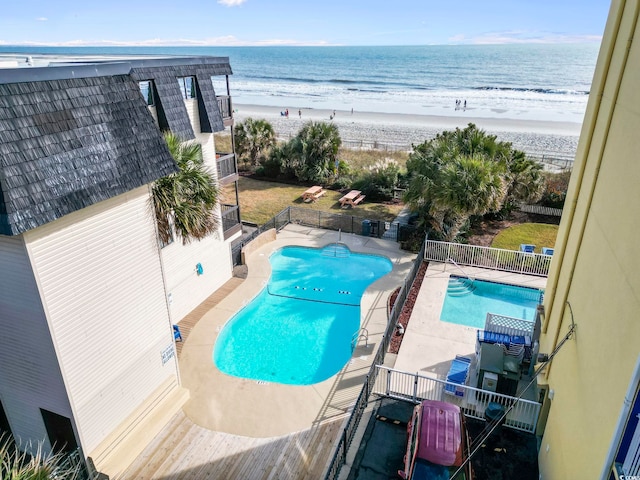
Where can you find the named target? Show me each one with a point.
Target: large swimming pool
(468, 302)
(299, 330)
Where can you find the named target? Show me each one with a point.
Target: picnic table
(313, 193)
(351, 199)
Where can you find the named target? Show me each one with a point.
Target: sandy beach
(401, 130)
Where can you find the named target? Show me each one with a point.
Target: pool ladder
(362, 333)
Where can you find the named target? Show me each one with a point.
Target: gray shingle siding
(170, 103)
(67, 144)
(76, 134)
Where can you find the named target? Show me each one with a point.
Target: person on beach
(465, 104)
(300, 113)
(286, 113)
(351, 110)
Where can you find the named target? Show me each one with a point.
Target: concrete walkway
(260, 409)
(401, 219)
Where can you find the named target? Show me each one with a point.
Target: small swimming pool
(299, 330)
(468, 302)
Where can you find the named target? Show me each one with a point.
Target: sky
(300, 22)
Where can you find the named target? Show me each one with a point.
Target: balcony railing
(473, 401)
(230, 220)
(226, 166)
(224, 104)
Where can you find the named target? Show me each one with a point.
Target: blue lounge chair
(458, 374)
(547, 251)
(527, 248)
(176, 333)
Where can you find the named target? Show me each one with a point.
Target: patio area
(429, 345)
(237, 428)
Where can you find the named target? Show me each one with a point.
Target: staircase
(460, 287)
(338, 250)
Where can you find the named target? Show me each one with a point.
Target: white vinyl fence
(472, 401)
(487, 257)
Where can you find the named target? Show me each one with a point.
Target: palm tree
(253, 138)
(316, 149)
(463, 173)
(469, 185)
(525, 181)
(186, 201)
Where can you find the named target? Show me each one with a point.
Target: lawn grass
(538, 234)
(261, 200)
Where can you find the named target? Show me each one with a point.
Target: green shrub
(555, 192)
(379, 182)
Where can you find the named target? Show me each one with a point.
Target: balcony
(230, 220)
(224, 104)
(227, 168)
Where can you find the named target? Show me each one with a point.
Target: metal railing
(559, 160)
(340, 453)
(279, 221)
(226, 165)
(224, 104)
(230, 216)
(487, 257)
(464, 274)
(472, 401)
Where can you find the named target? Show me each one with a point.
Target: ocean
(524, 81)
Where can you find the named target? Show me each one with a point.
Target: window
(146, 89)
(187, 86)
(627, 460)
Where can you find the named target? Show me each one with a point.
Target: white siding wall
(100, 276)
(30, 377)
(186, 287)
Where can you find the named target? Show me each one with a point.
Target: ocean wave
(559, 91)
(336, 81)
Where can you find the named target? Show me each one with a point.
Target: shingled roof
(72, 136)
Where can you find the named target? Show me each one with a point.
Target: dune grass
(261, 200)
(357, 160)
(538, 234)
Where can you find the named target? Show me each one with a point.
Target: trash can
(375, 228)
(494, 412)
(366, 228)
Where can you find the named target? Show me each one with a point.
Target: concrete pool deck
(259, 409)
(429, 344)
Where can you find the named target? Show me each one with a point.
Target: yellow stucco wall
(597, 268)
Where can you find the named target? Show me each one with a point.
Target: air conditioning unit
(490, 381)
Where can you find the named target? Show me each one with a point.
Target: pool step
(460, 287)
(336, 250)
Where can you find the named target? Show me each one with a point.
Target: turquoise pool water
(299, 329)
(467, 303)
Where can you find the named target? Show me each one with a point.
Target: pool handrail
(470, 277)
